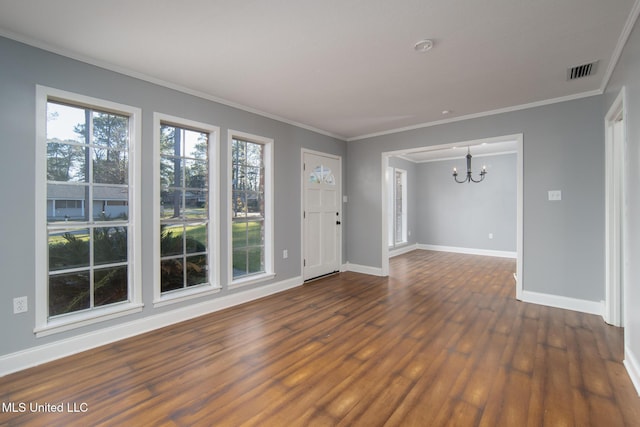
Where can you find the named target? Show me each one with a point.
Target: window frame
(43, 324)
(392, 220)
(269, 272)
(213, 242)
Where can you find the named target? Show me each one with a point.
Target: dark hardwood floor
(442, 341)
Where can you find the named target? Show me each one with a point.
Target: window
(185, 209)
(397, 206)
(251, 218)
(86, 201)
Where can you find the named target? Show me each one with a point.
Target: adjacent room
(301, 213)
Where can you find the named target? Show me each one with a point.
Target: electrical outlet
(285, 254)
(20, 305)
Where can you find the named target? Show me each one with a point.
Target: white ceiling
(430, 154)
(344, 67)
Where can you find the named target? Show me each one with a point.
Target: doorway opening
(517, 141)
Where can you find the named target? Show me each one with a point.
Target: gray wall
(627, 74)
(22, 67)
(563, 150)
(463, 215)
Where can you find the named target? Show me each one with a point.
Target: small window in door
(322, 175)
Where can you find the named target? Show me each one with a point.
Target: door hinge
(304, 263)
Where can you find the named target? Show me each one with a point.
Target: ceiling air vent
(583, 70)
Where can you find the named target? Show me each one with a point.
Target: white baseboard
(633, 368)
(403, 250)
(583, 306)
(45, 353)
(470, 251)
(364, 269)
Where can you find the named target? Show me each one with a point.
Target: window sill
(74, 321)
(246, 281)
(184, 295)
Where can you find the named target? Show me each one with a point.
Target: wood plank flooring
(440, 342)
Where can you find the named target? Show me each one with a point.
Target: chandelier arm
(455, 177)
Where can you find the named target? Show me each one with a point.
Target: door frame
(519, 138)
(304, 151)
(615, 218)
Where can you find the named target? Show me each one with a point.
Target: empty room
(272, 213)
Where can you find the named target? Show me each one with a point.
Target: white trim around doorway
(519, 138)
(615, 219)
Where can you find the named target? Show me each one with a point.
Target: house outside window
(86, 201)
(186, 209)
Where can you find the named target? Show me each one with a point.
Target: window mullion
(91, 267)
(90, 193)
(184, 255)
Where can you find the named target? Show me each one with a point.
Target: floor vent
(583, 70)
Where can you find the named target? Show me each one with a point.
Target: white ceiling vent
(583, 70)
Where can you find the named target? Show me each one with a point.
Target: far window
(185, 205)
(250, 204)
(397, 206)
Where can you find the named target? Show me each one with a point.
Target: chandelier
(469, 178)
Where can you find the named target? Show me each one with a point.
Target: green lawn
(246, 238)
(247, 253)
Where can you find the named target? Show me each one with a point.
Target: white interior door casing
(322, 214)
(616, 262)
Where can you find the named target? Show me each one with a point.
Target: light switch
(555, 195)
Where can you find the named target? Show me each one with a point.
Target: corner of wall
(633, 368)
(557, 301)
(363, 269)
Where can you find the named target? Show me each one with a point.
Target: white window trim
(269, 272)
(391, 193)
(403, 174)
(213, 243)
(43, 325)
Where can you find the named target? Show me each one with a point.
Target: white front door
(322, 214)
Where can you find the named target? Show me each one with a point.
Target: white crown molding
(482, 114)
(622, 41)
(615, 57)
(141, 76)
(628, 27)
